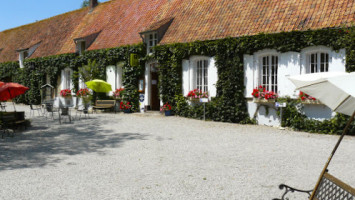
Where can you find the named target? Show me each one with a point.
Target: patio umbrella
(99, 85)
(11, 90)
(335, 90)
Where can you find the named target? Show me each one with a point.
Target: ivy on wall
(230, 104)
(33, 75)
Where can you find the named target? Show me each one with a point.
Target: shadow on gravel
(45, 142)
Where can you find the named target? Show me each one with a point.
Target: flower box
(309, 101)
(257, 100)
(127, 110)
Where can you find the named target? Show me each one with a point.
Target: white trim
(310, 50)
(257, 64)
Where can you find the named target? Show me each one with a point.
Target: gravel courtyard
(135, 156)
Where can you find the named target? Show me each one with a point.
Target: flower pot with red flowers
(261, 95)
(85, 95)
(306, 99)
(167, 109)
(66, 94)
(125, 106)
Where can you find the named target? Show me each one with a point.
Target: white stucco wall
(289, 65)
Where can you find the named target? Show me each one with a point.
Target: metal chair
(32, 111)
(3, 106)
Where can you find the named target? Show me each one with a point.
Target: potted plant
(261, 95)
(66, 94)
(125, 106)
(118, 96)
(85, 95)
(167, 109)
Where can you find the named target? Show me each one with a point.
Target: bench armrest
(291, 189)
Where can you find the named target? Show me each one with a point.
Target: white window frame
(79, 45)
(152, 41)
(22, 56)
(194, 65)
(318, 62)
(67, 79)
(258, 62)
(306, 58)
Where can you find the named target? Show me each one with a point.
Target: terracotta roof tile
(121, 21)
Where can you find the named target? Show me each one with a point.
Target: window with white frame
(67, 81)
(268, 72)
(152, 41)
(317, 62)
(202, 75)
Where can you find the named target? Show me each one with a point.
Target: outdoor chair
(50, 110)
(82, 109)
(3, 106)
(33, 109)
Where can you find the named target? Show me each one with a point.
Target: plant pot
(127, 110)
(168, 113)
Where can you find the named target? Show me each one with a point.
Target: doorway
(155, 100)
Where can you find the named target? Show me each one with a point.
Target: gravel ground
(135, 156)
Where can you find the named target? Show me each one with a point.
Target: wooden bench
(12, 120)
(330, 188)
(105, 104)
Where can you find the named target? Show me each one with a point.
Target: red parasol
(11, 90)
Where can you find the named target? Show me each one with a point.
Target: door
(155, 101)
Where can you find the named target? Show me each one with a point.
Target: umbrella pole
(331, 156)
(14, 105)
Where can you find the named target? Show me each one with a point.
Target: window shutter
(185, 77)
(111, 77)
(212, 77)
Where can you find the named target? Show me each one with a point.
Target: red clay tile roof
(121, 21)
(50, 32)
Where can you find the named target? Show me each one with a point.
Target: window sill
(317, 102)
(256, 100)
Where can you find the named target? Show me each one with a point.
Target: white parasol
(334, 89)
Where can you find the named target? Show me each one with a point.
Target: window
(318, 62)
(269, 65)
(81, 46)
(202, 75)
(67, 82)
(152, 41)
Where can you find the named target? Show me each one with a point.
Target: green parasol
(99, 85)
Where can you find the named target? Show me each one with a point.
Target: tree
(86, 3)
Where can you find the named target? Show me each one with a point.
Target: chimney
(93, 4)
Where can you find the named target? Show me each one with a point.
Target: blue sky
(14, 13)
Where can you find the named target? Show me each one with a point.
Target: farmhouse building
(267, 40)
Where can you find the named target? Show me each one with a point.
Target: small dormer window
(81, 46)
(22, 56)
(152, 41)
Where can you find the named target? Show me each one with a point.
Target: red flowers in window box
(303, 96)
(197, 94)
(261, 93)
